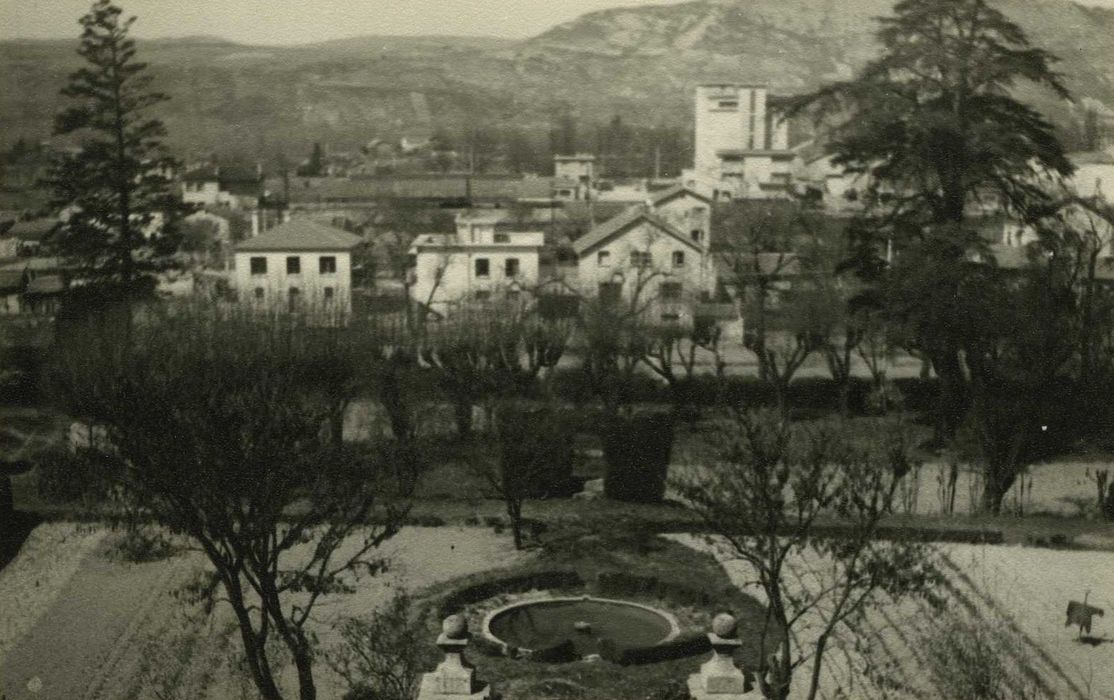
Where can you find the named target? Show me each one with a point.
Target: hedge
(680, 647)
(637, 451)
(461, 598)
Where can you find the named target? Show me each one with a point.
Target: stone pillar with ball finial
(453, 679)
(719, 678)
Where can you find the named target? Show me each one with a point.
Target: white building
(480, 262)
(741, 142)
(215, 185)
(298, 265)
(639, 257)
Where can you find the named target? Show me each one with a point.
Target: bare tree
(779, 492)
(218, 422)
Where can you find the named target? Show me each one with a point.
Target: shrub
(536, 444)
(637, 451)
(969, 658)
(680, 647)
(382, 658)
(562, 653)
(461, 598)
(1108, 504)
(62, 476)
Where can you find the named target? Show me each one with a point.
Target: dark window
(483, 294)
(728, 104)
(259, 293)
(678, 258)
(670, 291)
(697, 234)
(610, 292)
(295, 297)
(641, 258)
(603, 258)
(502, 238)
(510, 267)
(483, 267)
(327, 265)
(259, 266)
(329, 293)
(293, 265)
(670, 317)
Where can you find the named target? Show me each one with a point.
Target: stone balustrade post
(719, 678)
(453, 679)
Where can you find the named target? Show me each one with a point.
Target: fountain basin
(585, 621)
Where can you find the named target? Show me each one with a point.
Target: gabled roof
(301, 234)
(12, 280)
(670, 193)
(34, 230)
(46, 284)
(623, 222)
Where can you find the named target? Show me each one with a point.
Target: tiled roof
(34, 230)
(663, 196)
(301, 234)
(46, 284)
(617, 224)
(11, 280)
(1092, 158)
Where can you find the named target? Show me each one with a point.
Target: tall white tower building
(740, 141)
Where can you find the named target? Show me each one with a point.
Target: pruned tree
(122, 225)
(219, 423)
(673, 353)
(780, 497)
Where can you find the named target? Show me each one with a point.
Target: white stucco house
(640, 257)
(480, 262)
(300, 265)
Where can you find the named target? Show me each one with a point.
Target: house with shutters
(299, 266)
(643, 257)
(481, 262)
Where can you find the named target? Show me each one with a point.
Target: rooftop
(301, 234)
(627, 219)
(34, 230)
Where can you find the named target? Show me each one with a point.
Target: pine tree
(118, 182)
(932, 118)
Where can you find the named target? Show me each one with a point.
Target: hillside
(641, 63)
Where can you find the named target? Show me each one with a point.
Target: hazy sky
(299, 21)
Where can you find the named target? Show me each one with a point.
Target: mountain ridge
(640, 63)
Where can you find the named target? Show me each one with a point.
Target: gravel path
(73, 648)
(31, 583)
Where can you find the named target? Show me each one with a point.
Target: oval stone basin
(587, 622)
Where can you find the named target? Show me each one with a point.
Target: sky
(304, 21)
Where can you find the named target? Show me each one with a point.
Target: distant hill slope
(639, 62)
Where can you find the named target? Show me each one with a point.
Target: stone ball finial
(455, 627)
(725, 626)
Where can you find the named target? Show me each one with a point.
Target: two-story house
(639, 257)
(300, 265)
(479, 262)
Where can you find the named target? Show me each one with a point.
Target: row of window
(511, 268)
(326, 265)
(640, 258)
(294, 295)
(612, 292)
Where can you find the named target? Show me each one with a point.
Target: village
(808, 402)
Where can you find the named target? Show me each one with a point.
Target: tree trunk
(952, 405)
(254, 648)
(462, 410)
(514, 512)
(997, 482)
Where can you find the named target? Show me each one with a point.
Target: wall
(459, 281)
(644, 237)
(311, 283)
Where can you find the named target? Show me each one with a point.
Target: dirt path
(74, 647)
